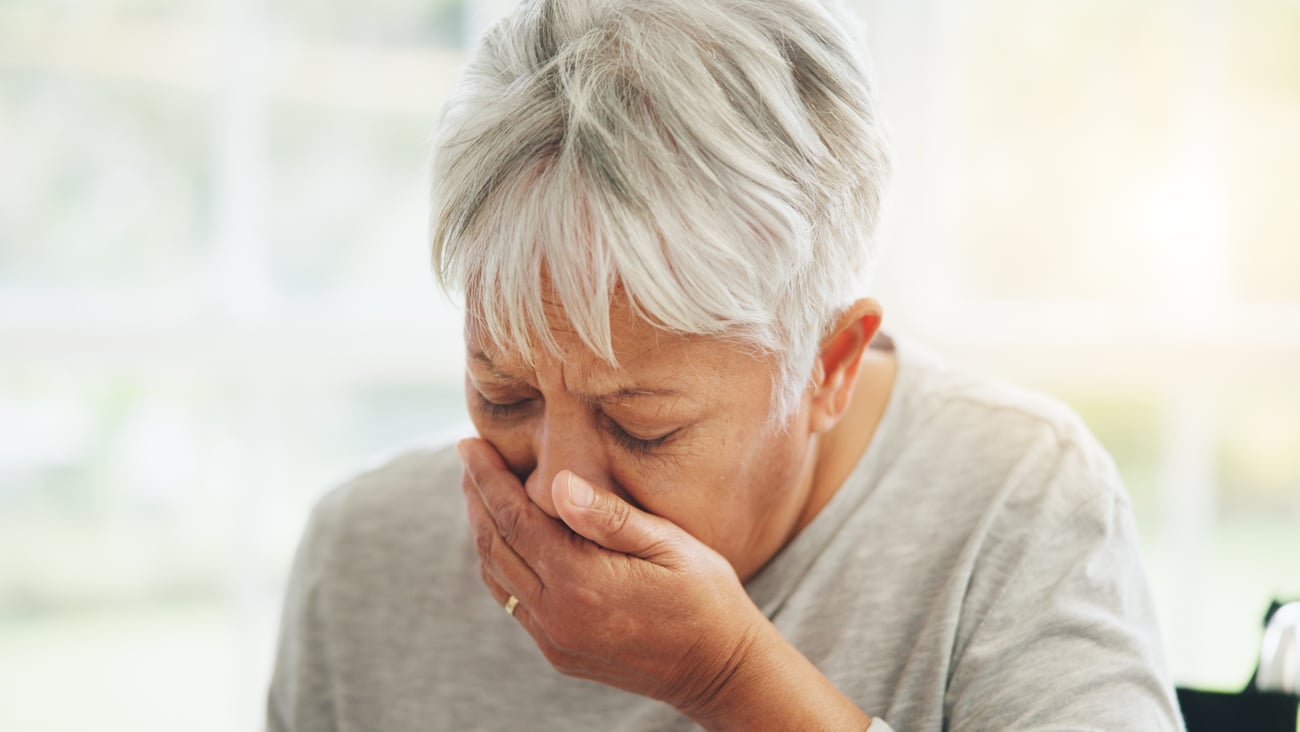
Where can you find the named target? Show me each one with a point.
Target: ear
(835, 373)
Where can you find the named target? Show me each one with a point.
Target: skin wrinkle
(559, 325)
(723, 476)
(624, 401)
(610, 395)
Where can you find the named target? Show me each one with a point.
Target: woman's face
(680, 430)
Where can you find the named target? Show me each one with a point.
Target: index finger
(522, 525)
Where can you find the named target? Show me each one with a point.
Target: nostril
(522, 470)
(538, 488)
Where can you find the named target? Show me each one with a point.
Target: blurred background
(215, 300)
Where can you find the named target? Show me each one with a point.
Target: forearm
(774, 687)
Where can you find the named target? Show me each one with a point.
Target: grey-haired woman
(706, 488)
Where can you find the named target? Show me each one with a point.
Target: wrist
(770, 685)
(732, 687)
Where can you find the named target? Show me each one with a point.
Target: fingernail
(580, 492)
(461, 449)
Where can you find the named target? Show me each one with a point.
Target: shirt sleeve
(300, 695)
(1071, 640)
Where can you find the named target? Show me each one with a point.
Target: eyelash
(497, 410)
(629, 442)
(635, 444)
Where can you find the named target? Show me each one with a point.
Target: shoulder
(385, 490)
(975, 474)
(1046, 556)
(1025, 489)
(383, 569)
(401, 509)
(394, 491)
(1019, 447)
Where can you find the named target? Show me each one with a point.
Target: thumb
(610, 521)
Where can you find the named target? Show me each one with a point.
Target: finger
(520, 523)
(608, 520)
(497, 558)
(499, 593)
(523, 612)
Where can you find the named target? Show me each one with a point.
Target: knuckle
(587, 597)
(483, 541)
(510, 522)
(617, 516)
(541, 566)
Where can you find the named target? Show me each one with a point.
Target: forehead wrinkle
(611, 396)
(625, 395)
(595, 382)
(588, 377)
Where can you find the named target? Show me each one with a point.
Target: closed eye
(504, 411)
(500, 410)
(634, 444)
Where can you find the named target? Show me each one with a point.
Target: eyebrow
(491, 366)
(613, 397)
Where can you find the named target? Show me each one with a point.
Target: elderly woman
(707, 490)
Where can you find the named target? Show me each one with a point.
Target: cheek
(693, 489)
(724, 495)
(652, 486)
(513, 442)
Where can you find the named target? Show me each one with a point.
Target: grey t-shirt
(978, 570)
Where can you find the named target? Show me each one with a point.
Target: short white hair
(718, 163)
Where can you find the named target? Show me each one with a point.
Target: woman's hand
(612, 593)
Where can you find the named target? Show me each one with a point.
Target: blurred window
(1097, 198)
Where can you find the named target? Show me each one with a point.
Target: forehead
(637, 344)
(644, 353)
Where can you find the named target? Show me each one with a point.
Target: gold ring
(511, 604)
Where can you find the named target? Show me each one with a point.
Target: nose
(564, 442)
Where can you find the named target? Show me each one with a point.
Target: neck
(838, 451)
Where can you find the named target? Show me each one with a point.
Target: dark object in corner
(1249, 709)
(1256, 711)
